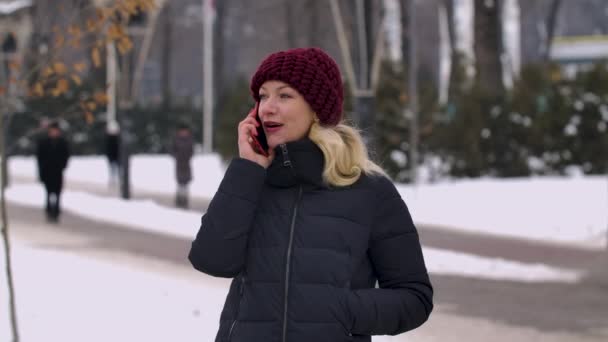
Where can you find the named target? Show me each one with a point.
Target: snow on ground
(561, 210)
(110, 302)
(67, 297)
(145, 215)
(152, 173)
(136, 303)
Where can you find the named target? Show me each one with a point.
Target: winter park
(124, 131)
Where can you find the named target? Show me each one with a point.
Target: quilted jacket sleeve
(220, 245)
(404, 299)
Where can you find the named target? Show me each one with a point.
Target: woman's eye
(263, 96)
(285, 96)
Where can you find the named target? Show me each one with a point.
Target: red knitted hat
(313, 73)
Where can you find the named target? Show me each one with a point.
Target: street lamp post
(207, 129)
(135, 28)
(413, 92)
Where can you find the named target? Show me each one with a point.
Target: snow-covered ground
(562, 210)
(558, 210)
(110, 300)
(148, 216)
(67, 297)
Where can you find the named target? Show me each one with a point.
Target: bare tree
(488, 47)
(221, 9)
(167, 24)
(550, 26)
(313, 10)
(290, 25)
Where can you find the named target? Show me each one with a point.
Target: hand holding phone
(259, 142)
(252, 140)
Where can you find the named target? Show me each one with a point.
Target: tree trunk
(166, 56)
(551, 23)
(405, 41)
(289, 23)
(449, 8)
(221, 8)
(488, 47)
(312, 9)
(7, 245)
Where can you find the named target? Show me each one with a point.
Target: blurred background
(491, 116)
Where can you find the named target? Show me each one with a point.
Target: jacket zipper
(287, 163)
(236, 313)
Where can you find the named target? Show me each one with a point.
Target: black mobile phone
(260, 144)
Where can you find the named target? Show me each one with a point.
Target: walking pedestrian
(182, 150)
(112, 152)
(52, 155)
(307, 231)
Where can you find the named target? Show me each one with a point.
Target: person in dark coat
(182, 150)
(307, 232)
(52, 155)
(112, 152)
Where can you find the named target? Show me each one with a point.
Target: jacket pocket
(241, 290)
(339, 309)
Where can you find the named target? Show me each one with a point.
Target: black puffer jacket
(306, 258)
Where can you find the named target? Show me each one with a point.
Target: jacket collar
(296, 163)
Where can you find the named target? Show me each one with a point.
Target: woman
(307, 231)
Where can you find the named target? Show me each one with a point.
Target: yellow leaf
(38, 89)
(96, 57)
(88, 116)
(47, 72)
(59, 41)
(101, 98)
(91, 105)
(55, 92)
(14, 65)
(101, 14)
(60, 68)
(76, 79)
(124, 45)
(80, 67)
(75, 43)
(74, 30)
(62, 85)
(115, 31)
(148, 4)
(91, 25)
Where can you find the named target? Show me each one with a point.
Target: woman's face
(284, 113)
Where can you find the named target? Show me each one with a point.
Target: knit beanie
(312, 72)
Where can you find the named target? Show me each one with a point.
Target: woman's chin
(272, 143)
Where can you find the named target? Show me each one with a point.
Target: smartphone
(260, 144)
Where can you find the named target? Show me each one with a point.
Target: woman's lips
(272, 127)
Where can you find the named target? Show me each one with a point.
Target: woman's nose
(268, 107)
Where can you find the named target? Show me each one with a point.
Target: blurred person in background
(182, 149)
(308, 226)
(52, 154)
(112, 152)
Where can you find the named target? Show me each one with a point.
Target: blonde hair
(345, 154)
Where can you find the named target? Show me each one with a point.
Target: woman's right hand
(248, 128)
